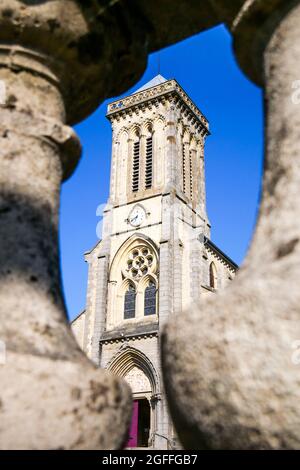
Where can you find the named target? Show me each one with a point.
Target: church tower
(155, 258)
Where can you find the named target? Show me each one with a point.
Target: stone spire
(157, 80)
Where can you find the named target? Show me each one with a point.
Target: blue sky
(205, 67)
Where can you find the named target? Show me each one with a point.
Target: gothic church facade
(155, 258)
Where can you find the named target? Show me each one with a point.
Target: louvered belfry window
(191, 174)
(136, 166)
(149, 163)
(183, 169)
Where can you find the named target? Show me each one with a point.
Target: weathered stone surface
(169, 21)
(51, 395)
(53, 403)
(229, 365)
(252, 26)
(84, 44)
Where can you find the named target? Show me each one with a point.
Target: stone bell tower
(155, 257)
(158, 146)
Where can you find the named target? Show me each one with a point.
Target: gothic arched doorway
(141, 425)
(138, 371)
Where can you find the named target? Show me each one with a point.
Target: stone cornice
(171, 88)
(77, 316)
(132, 337)
(133, 332)
(221, 256)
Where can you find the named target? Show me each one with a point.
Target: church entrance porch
(140, 424)
(139, 373)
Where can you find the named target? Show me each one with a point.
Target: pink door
(133, 433)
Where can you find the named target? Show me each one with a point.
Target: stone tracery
(140, 261)
(141, 266)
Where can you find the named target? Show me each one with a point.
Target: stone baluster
(231, 364)
(55, 60)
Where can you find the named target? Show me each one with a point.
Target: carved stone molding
(75, 37)
(167, 90)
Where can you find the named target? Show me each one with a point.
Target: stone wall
(77, 326)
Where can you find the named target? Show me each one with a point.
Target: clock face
(137, 216)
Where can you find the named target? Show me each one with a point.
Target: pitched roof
(155, 81)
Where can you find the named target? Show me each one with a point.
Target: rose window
(140, 261)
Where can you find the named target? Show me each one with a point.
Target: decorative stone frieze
(124, 340)
(169, 90)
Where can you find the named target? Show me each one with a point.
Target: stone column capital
(74, 42)
(44, 129)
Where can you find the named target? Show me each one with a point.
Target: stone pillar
(195, 266)
(101, 305)
(179, 178)
(171, 150)
(50, 53)
(193, 182)
(201, 187)
(130, 171)
(166, 259)
(115, 158)
(177, 272)
(186, 165)
(37, 149)
(165, 281)
(96, 306)
(162, 429)
(231, 366)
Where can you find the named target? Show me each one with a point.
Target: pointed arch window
(150, 299)
(212, 276)
(129, 302)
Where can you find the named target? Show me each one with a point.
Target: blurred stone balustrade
(229, 376)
